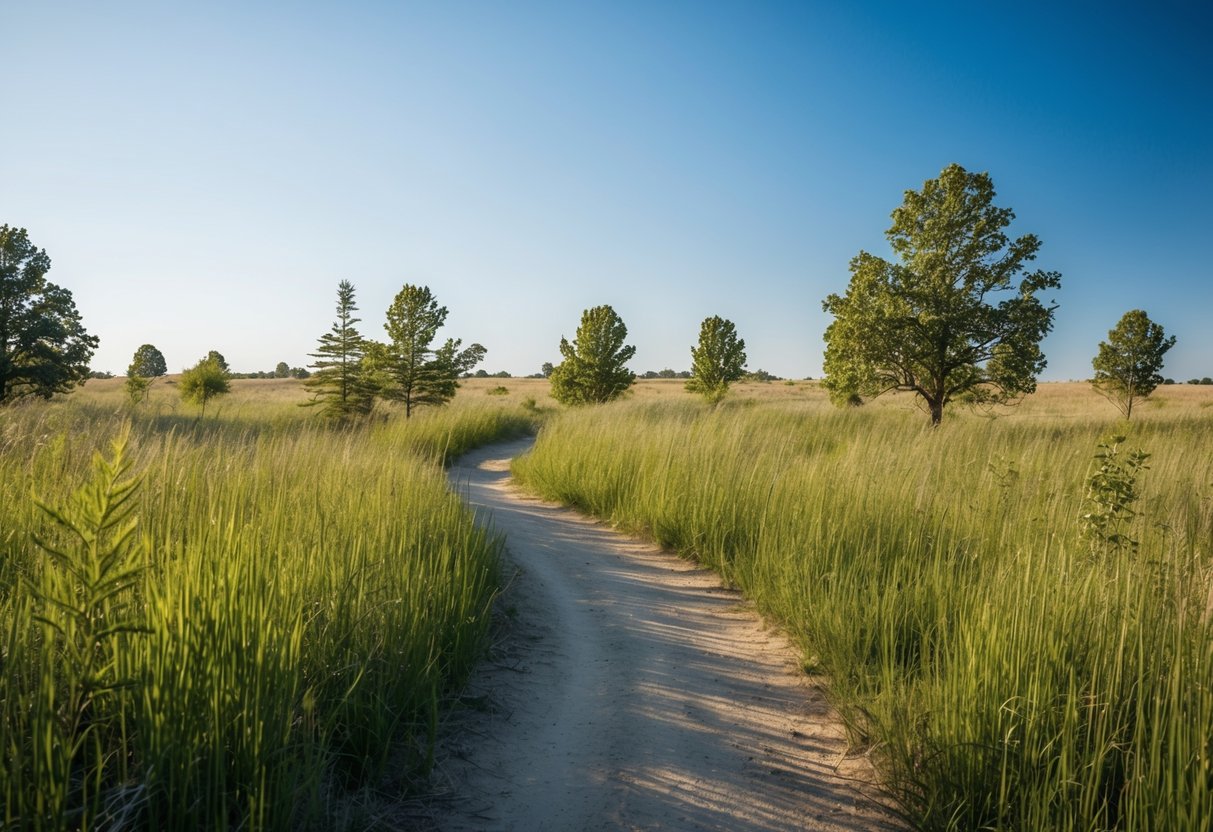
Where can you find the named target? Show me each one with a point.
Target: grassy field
(270, 645)
(1006, 670)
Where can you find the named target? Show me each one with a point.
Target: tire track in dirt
(632, 691)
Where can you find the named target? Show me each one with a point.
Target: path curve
(633, 692)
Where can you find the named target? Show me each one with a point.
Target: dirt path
(633, 692)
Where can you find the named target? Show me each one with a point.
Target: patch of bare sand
(632, 691)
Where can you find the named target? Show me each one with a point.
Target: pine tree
(338, 385)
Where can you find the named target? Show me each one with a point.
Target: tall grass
(1006, 672)
(295, 603)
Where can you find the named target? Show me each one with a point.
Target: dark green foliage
(412, 371)
(593, 368)
(546, 369)
(148, 362)
(339, 385)
(44, 348)
(1127, 365)
(221, 362)
(283, 370)
(718, 360)
(928, 324)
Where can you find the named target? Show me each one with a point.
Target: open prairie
(1014, 610)
(1015, 642)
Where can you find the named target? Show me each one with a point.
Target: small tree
(420, 375)
(593, 368)
(546, 369)
(338, 385)
(927, 324)
(1127, 365)
(148, 362)
(718, 361)
(137, 387)
(203, 382)
(44, 348)
(283, 370)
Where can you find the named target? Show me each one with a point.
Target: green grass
(1005, 673)
(300, 602)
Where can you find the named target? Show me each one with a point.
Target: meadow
(1018, 632)
(257, 620)
(249, 620)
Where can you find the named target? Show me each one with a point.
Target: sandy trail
(633, 692)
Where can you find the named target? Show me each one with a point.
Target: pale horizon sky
(203, 175)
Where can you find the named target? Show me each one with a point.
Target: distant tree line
(956, 317)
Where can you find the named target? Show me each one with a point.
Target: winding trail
(633, 692)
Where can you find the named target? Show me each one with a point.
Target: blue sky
(202, 175)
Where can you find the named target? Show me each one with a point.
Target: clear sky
(203, 174)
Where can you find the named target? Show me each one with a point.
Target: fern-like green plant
(86, 602)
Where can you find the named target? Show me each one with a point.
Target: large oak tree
(44, 348)
(933, 323)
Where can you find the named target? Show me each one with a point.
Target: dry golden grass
(1069, 400)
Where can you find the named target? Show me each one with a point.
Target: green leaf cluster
(930, 323)
(593, 370)
(1111, 494)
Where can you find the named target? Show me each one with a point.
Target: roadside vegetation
(1014, 611)
(249, 620)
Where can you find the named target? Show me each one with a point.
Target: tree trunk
(936, 406)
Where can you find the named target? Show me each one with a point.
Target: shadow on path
(634, 692)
